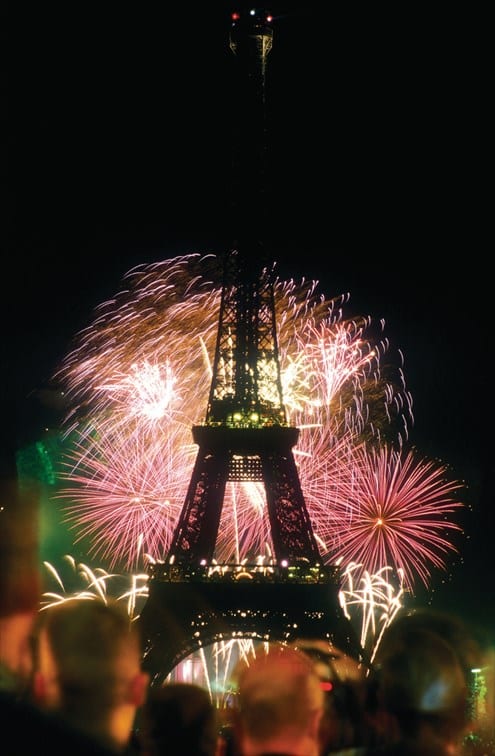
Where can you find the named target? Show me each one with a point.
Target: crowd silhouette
(71, 680)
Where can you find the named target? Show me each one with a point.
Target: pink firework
(138, 379)
(395, 509)
(165, 315)
(125, 493)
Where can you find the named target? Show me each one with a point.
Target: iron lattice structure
(194, 601)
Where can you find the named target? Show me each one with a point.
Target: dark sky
(119, 153)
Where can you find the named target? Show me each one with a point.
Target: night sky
(119, 153)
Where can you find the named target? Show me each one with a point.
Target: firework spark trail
(335, 355)
(375, 602)
(97, 584)
(396, 506)
(148, 391)
(138, 379)
(166, 309)
(141, 486)
(324, 459)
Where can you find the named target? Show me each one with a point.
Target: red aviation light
(254, 13)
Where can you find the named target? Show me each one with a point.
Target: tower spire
(251, 37)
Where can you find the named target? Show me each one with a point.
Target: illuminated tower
(245, 437)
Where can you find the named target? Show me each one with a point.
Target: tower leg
(290, 525)
(196, 533)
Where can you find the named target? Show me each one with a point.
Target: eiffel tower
(194, 601)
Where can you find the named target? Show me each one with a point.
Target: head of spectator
(179, 718)
(24, 727)
(280, 703)
(452, 628)
(20, 582)
(473, 647)
(331, 661)
(88, 668)
(344, 681)
(421, 693)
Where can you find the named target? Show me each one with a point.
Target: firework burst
(138, 378)
(397, 510)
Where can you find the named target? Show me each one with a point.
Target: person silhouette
(421, 694)
(24, 726)
(88, 668)
(279, 704)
